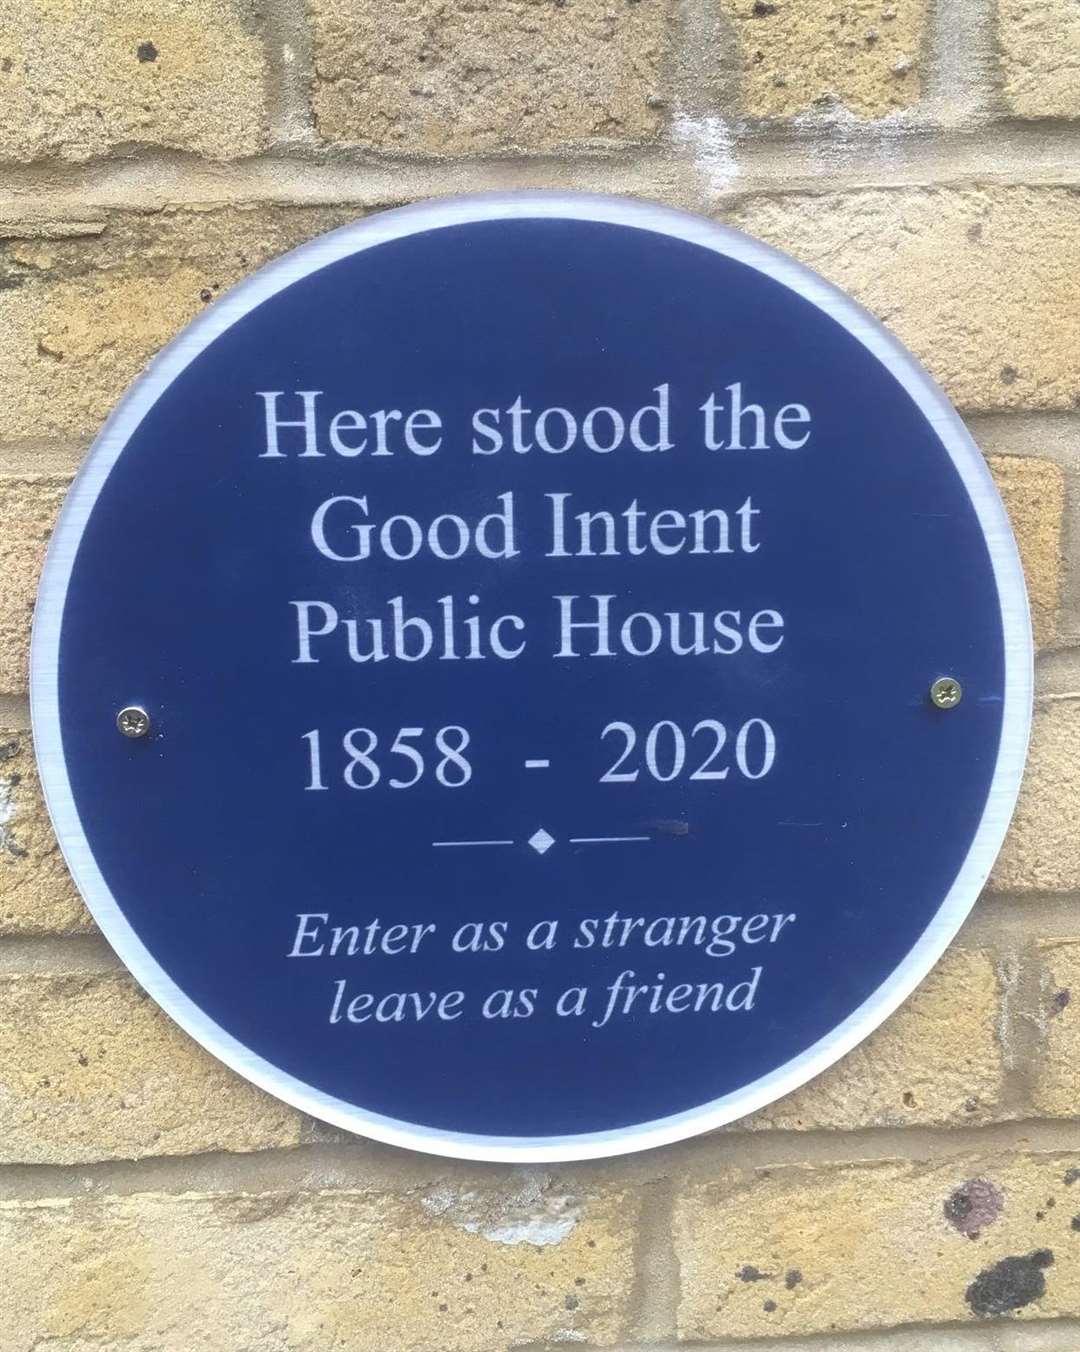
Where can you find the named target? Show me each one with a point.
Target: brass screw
(946, 692)
(133, 721)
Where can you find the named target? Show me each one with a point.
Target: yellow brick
(91, 1069)
(37, 895)
(1042, 850)
(1056, 1090)
(80, 78)
(981, 284)
(81, 316)
(1034, 495)
(935, 1061)
(1040, 56)
(29, 505)
(357, 1269)
(803, 1249)
(433, 78)
(797, 56)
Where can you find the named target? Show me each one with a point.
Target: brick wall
(926, 157)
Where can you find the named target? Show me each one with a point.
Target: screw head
(946, 692)
(133, 721)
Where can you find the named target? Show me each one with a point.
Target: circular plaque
(531, 677)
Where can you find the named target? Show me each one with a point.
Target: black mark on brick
(1010, 1284)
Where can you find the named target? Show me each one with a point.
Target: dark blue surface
(179, 599)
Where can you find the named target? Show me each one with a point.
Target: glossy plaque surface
(535, 601)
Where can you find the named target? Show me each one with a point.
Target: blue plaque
(531, 677)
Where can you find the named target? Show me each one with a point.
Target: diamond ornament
(541, 841)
